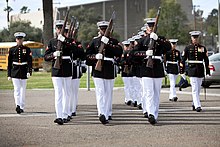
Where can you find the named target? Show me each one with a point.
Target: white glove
(61, 37)
(28, 75)
(56, 53)
(98, 56)
(153, 36)
(9, 78)
(149, 52)
(105, 39)
(165, 72)
(183, 76)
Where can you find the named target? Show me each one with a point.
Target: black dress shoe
(74, 114)
(198, 109)
(18, 109)
(175, 99)
(59, 121)
(21, 110)
(128, 103)
(109, 117)
(134, 104)
(69, 118)
(65, 120)
(193, 108)
(102, 119)
(151, 119)
(145, 115)
(139, 106)
(171, 100)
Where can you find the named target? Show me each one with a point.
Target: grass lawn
(43, 80)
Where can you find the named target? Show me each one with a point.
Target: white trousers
(62, 88)
(172, 78)
(196, 87)
(19, 91)
(138, 89)
(74, 94)
(151, 94)
(128, 86)
(104, 93)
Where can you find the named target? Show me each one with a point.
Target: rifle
(72, 26)
(151, 44)
(102, 46)
(75, 30)
(59, 43)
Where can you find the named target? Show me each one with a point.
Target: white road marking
(29, 114)
(190, 93)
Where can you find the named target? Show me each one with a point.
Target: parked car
(214, 66)
(210, 53)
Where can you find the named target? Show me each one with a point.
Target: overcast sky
(34, 5)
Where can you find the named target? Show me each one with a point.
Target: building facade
(130, 14)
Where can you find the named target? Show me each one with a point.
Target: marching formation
(143, 60)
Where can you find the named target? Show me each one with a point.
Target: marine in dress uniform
(137, 80)
(125, 74)
(19, 70)
(78, 57)
(172, 68)
(104, 79)
(152, 77)
(62, 77)
(135, 72)
(198, 66)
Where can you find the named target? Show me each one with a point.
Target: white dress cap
(126, 42)
(195, 33)
(173, 40)
(59, 22)
(20, 34)
(150, 20)
(102, 23)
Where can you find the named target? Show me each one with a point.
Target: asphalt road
(177, 125)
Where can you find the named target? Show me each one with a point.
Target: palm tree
(24, 9)
(8, 9)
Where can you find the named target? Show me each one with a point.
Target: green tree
(87, 19)
(211, 23)
(32, 33)
(88, 28)
(24, 9)
(172, 21)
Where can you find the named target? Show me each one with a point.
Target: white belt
(109, 59)
(74, 61)
(66, 57)
(171, 62)
(194, 61)
(155, 57)
(22, 63)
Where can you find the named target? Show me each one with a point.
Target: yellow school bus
(37, 49)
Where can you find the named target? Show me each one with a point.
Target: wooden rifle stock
(72, 26)
(98, 66)
(59, 43)
(151, 44)
(76, 28)
(126, 69)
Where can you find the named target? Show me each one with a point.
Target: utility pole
(219, 26)
(194, 12)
